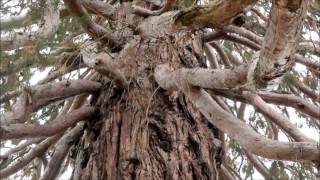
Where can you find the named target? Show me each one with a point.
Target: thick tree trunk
(143, 133)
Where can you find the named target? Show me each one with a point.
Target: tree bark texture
(151, 115)
(145, 132)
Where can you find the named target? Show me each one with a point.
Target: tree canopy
(246, 70)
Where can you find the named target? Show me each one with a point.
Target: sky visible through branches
(41, 38)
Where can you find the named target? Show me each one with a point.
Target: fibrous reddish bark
(156, 122)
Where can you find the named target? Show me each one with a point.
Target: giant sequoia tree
(152, 89)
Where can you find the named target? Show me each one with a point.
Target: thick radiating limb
(37, 151)
(242, 133)
(280, 41)
(15, 131)
(61, 150)
(20, 147)
(38, 96)
(283, 122)
(93, 29)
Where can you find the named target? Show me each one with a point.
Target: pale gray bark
(37, 151)
(62, 149)
(36, 97)
(296, 102)
(222, 54)
(235, 128)
(105, 65)
(277, 118)
(280, 41)
(208, 78)
(211, 57)
(20, 147)
(60, 124)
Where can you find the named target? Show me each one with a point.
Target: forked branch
(15, 131)
(62, 149)
(243, 134)
(39, 96)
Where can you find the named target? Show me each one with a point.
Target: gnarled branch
(236, 129)
(15, 131)
(280, 40)
(62, 149)
(38, 96)
(93, 29)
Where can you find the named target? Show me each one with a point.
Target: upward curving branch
(280, 41)
(39, 150)
(235, 128)
(275, 117)
(15, 131)
(62, 149)
(93, 29)
(36, 97)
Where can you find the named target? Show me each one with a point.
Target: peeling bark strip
(280, 41)
(15, 131)
(235, 128)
